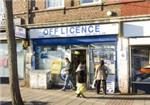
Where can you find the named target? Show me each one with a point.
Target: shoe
(78, 95)
(63, 89)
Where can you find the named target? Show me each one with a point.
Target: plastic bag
(93, 84)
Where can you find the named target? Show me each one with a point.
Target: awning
(75, 40)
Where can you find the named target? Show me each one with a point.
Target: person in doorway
(101, 76)
(68, 76)
(81, 79)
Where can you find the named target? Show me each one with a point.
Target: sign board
(139, 41)
(110, 84)
(135, 29)
(20, 32)
(55, 66)
(77, 30)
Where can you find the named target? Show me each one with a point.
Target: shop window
(82, 2)
(105, 52)
(140, 57)
(46, 56)
(4, 70)
(54, 4)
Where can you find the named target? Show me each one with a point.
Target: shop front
(139, 46)
(4, 71)
(20, 34)
(90, 43)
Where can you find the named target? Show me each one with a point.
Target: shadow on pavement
(120, 97)
(5, 103)
(25, 103)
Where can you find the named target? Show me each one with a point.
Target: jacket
(67, 68)
(101, 73)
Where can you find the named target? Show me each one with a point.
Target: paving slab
(68, 97)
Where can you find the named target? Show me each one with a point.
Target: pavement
(68, 97)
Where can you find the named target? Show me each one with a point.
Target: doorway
(76, 56)
(106, 52)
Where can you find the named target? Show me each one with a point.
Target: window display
(140, 68)
(140, 64)
(107, 53)
(4, 71)
(51, 58)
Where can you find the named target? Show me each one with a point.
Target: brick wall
(19, 6)
(138, 8)
(73, 11)
(73, 14)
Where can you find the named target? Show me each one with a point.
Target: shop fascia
(76, 30)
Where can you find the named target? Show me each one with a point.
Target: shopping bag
(93, 84)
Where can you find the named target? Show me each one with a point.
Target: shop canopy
(75, 40)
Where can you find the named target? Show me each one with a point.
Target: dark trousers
(98, 86)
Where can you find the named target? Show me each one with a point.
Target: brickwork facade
(36, 13)
(19, 6)
(138, 8)
(74, 11)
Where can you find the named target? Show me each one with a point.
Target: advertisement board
(110, 83)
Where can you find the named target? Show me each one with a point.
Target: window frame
(54, 7)
(91, 3)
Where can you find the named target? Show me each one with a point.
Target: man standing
(101, 76)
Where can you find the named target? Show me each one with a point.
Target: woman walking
(81, 79)
(68, 76)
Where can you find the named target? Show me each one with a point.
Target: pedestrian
(81, 79)
(68, 76)
(101, 76)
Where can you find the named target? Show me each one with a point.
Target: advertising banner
(56, 66)
(110, 84)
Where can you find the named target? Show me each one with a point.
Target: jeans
(68, 78)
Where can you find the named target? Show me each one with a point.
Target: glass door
(106, 52)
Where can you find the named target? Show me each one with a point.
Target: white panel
(3, 35)
(139, 41)
(20, 32)
(39, 79)
(76, 30)
(122, 64)
(139, 28)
